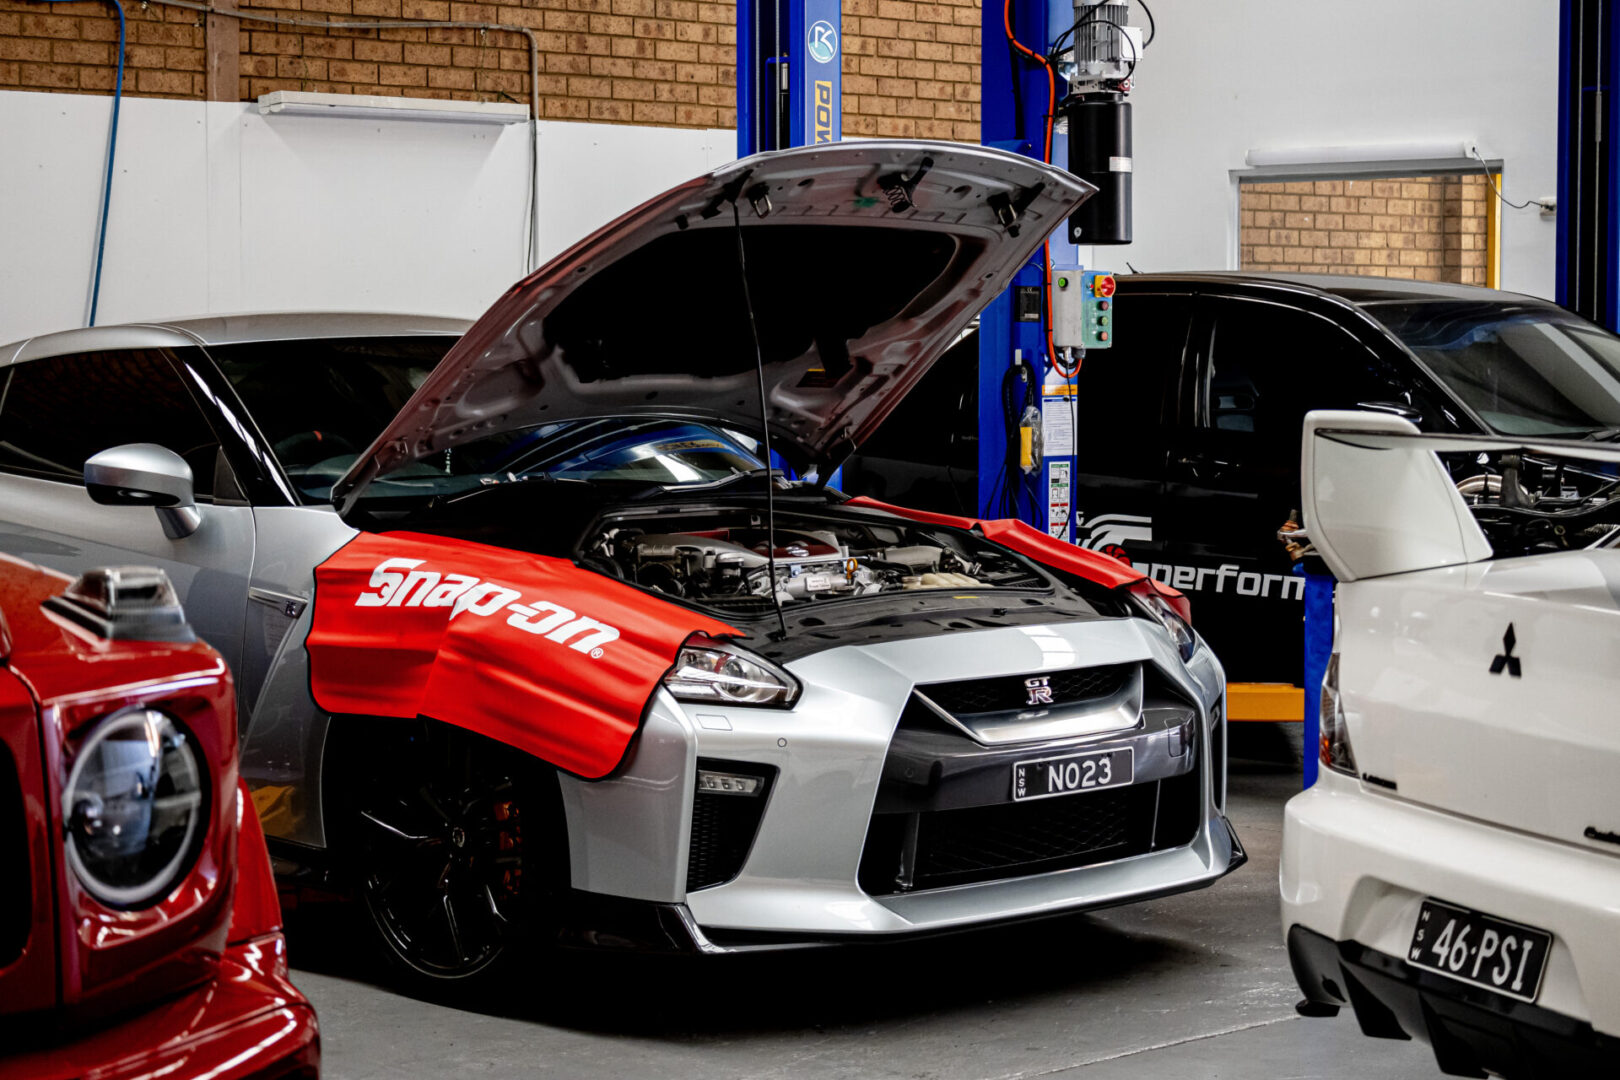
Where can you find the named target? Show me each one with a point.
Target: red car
(140, 933)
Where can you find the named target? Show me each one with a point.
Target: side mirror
(1394, 408)
(145, 474)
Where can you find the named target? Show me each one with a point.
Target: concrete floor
(1195, 986)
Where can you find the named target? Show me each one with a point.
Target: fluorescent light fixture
(1449, 150)
(370, 107)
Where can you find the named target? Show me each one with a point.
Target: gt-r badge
(1506, 659)
(1040, 691)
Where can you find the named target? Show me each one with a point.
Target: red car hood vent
(865, 261)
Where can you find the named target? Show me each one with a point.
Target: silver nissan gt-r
(917, 729)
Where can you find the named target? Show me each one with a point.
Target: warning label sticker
(1057, 426)
(1059, 507)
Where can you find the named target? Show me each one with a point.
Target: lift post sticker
(823, 111)
(1059, 499)
(534, 652)
(1057, 426)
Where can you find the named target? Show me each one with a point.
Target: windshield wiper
(726, 481)
(654, 490)
(1608, 434)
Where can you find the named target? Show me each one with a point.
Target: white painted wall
(1224, 78)
(218, 209)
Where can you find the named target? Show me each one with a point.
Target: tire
(455, 846)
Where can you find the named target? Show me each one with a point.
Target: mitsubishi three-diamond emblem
(1506, 659)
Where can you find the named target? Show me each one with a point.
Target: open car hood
(865, 260)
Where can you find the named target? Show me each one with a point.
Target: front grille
(15, 892)
(943, 817)
(986, 843)
(1006, 692)
(956, 843)
(724, 826)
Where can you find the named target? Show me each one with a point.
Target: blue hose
(112, 156)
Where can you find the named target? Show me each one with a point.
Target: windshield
(321, 403)
(1524, 368)
(640, 451)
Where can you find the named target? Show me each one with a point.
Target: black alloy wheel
(453, 839)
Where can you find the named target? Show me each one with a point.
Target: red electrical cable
(1046, 158)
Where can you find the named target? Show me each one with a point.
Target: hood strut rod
(764, 419)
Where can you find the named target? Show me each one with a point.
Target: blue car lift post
(1589, 160)
(789, 83)
(1012, 116)
(789, 74)
(1014, 95)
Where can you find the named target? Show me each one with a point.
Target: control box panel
(1082, 309)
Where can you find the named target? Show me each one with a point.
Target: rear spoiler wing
(1378, 500)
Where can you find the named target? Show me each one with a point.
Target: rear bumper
(1470, 1030)
(1358, 864)
(248, 1023)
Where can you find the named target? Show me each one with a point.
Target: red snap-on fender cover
(532, 651)
(1029, 541)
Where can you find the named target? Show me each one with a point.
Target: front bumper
(803, 879)
(1356, 867)
(591, 921)
(247, 1023)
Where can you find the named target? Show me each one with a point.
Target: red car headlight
(135, 808)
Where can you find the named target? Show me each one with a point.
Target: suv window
(1268, 365)
(1123, 389)
(59, 411)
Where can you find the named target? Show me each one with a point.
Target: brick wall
(911, 69)
(1428, 228)
(73, 47)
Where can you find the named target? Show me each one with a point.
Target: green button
(1063, 283)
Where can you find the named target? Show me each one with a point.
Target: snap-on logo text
(397, 583)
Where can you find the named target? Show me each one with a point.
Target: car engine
(725, 560)
(1527, 505)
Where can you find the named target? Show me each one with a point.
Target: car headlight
(715, 672)
(134, 808)
(1157, 608)
(1335, 749)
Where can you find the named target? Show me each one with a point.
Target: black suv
(1189, 427)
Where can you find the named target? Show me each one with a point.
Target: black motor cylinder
(1100, 152)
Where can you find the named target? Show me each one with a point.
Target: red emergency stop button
(1102, 285)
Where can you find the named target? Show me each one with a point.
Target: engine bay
(723, 558)
(1526, 505)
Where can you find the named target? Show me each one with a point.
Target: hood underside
(864, 261)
